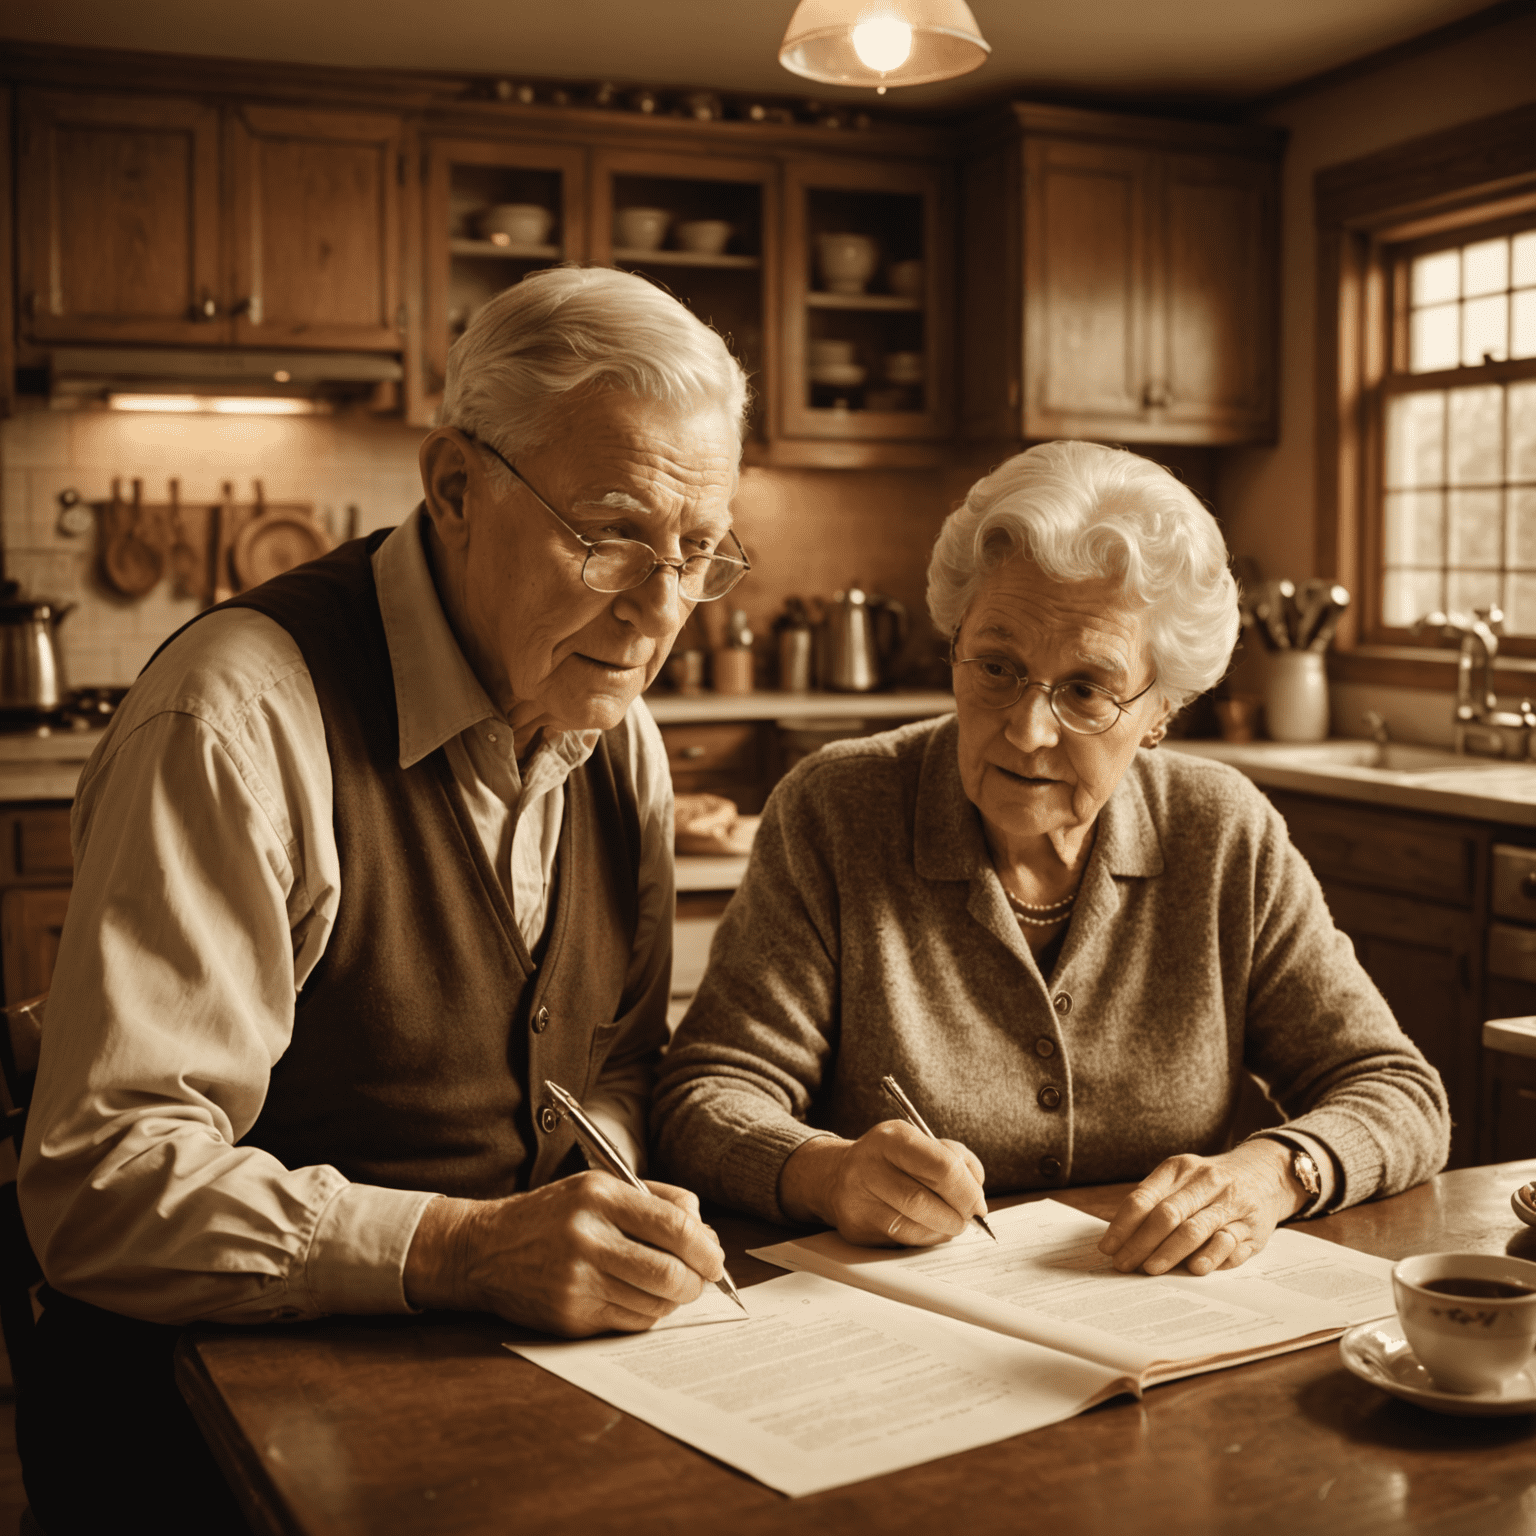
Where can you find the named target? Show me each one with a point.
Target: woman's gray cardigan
(872, 935)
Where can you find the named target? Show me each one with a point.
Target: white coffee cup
(1468, 1343)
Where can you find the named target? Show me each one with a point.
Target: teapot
(31, 678)
(861, 636)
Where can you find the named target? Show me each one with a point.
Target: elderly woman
(1068, 947)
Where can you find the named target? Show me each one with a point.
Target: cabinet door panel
(317, 228)
(1085, 270)
(1215, 319)
(31, 922)
(119, 219)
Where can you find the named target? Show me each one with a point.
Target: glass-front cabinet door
(706, 229)
(866, 338)
(495, 211)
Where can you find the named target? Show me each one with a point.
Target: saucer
(1523, 1202)
(1378, 1353)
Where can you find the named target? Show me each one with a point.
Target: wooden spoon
(132, 563)
(187, 566)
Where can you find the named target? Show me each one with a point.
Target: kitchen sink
(1394, 757)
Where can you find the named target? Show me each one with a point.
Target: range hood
(78, 375)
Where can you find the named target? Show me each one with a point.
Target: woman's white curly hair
(1081, 511)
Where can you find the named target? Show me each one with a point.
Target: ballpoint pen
(910, 1115)
(597, 1146)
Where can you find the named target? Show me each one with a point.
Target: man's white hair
(1081, 511)
(569, 328)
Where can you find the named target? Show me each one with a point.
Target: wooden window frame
(1367, 211)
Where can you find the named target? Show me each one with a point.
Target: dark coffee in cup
(1486, 1290)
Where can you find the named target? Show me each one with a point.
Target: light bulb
(882, 45)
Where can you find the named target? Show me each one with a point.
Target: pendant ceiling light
(882, 42)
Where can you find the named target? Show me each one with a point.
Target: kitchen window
(1427, 393)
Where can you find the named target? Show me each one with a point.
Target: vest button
(1050, 1167)
(1045, 1046)
(541, 1021)
(549, 1121)
(1062, 1004)
(1049, 1098)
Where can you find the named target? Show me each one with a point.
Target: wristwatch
(1303, 1168)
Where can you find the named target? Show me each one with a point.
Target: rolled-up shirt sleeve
(173, 996)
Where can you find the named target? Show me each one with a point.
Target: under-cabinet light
(219, 405)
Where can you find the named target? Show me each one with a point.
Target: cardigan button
(541, 1021)
(1050, 1167)
(1045, 1046)
(1049, 1098)
(1062, 1003)
(549, 1121)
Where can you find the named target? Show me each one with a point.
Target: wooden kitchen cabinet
(1120, 279)
(120, 219)
(316, 228)
(904, 310)
(35, 869)
(735, 758)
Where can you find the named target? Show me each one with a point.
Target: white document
(823, 1385)
(1045, 1281)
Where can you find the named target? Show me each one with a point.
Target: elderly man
(368, 855)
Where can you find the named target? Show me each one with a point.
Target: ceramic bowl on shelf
(904, 367)
(822, 351)
(705, 237)
(839, 375)
(846, 261)
(641, 229)
(516, 223)
(906, 279)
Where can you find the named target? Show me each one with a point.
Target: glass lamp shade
(820, 43)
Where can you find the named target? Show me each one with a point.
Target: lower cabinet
(35, 871)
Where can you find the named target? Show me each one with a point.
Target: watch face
(1306, 1173)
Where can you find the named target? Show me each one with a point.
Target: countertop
(1401, 775)
(770, 704)
(44, 767)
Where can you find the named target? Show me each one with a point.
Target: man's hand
(1216, 1212)
(582, 1256)
(891, 1187)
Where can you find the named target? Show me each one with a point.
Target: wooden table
(427, 1424)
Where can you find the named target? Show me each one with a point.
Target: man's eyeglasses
(618, 565)
(1080, 706)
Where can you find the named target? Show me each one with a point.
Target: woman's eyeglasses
(618, 565)
(1080, 706)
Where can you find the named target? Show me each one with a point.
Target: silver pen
(597, 1146)
(910, 1115)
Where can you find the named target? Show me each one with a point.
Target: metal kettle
(31, 674)
(861, 636)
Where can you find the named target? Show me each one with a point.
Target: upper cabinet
(315, 228)
(163, 219)
(1131, 263)
(119, 219)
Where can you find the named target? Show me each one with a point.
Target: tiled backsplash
(332, 462)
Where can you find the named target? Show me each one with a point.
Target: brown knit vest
(423, 1037)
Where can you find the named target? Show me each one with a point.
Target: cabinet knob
(208, 309)
(1156, 397)
(1528, 885)
(693, 752)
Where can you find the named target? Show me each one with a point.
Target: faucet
(1480, 725)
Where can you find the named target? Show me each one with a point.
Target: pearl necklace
(1052, 913)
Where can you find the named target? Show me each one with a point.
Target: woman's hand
(1215, 1212)
(892, 1187)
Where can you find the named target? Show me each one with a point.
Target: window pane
(1476, 436)
(1522, 331)
(1523, 265)
(1416, 439)
(1415, 528)
(1437, 278)
(1485, 330)
(1522, 527)
(1467, 590)
(1407, 595)
(1522, 431)
(1485, 267)
(1476, 519)
(1520, 605)
(1435, 338)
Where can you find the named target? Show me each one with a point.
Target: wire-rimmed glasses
(618, 565)
(1080, 706)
